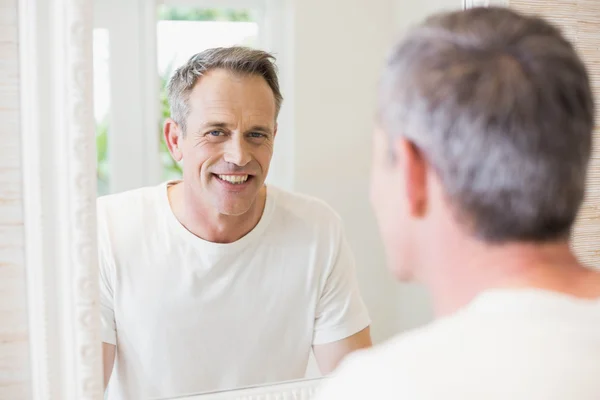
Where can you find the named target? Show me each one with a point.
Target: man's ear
(413, 166)
(173, 135)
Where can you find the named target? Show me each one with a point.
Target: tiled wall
(14, 351)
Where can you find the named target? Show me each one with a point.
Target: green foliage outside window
(171, 169)
(102, 156)
(167, 13)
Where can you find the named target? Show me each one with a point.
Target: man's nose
(236, 151)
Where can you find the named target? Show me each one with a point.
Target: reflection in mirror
(211, 279)
(205, 277)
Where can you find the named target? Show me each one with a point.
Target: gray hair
(500, 105)
(239, 60)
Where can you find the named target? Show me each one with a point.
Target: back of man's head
(501, 107)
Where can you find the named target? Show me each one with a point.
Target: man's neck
(209, 225)
(462, 275)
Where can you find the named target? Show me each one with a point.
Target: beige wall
(338, 54)
(14, 351)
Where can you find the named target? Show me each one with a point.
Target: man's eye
(257, 135)
(216, 133)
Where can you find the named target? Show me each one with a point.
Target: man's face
(228, 143)
(391, 205)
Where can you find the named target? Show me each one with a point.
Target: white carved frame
(59, 192)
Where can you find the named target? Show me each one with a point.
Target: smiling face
(228, 143)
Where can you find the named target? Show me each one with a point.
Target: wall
(408, 13)
(14, 351)
(339, 51)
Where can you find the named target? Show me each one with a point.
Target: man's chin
(234, 207)
(234, 203)
(233, 211)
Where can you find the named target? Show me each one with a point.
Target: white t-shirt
(507, 344)
(189, 315)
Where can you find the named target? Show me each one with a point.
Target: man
(218, 281)
(480, 159)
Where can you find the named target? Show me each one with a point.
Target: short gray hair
(500, 105)
(237, 59)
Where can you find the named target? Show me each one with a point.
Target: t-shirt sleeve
(106, 266)
(341, 311)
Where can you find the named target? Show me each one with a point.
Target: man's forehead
(218, 100)
(227, 109)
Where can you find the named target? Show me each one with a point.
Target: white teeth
(236, 179)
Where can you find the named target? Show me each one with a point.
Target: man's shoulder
(396, 367)
(375, 372)
(126, 196)
(409, 349)
(127, 205)
(304, 207)
(408, 345)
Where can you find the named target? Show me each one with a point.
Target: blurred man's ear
(173, 137)
(409, 159)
